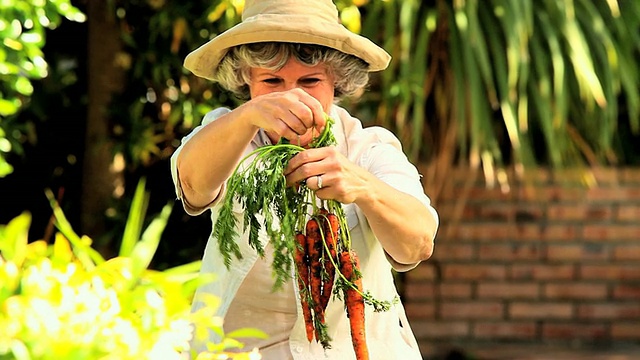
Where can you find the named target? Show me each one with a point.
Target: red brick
(575, 291)
(632, 194)
(455, 291)
(528, 214)
(527, 232)
(612, 272)
(564, 212)
(626, 252)
(423, 329)
(472, 310)
(626, 331)
(563, 193)
(531, 177)
(589, 251)
(416, 310)
(610, 311)
(607, 194)
(494, 212)
(542, 272)
(424, 271)
(574, 177)
(626, 291)
(531, 194)
(598, 213)
(504, 330)
(548, 310)
(550, 260)
(607, 176)
(630, 175)
(417, 291)
(517, 251)
(627, 213)
(560, 232)
(572, 331)
(473, 272)
(508, 291)
(483, 231)
(482, 193)
(455, 251)
(611, 232)
(451, 210)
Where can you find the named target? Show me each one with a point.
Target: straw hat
(297, 21)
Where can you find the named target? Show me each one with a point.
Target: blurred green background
(93, 97)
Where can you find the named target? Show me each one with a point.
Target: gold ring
(319, 182)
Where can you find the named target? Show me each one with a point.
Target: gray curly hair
(349, 72)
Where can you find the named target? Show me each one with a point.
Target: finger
(276, 109)
(318, 119)
(303, 113)
(300, 161)
(282, 129)
(318, 182)
(292, 121)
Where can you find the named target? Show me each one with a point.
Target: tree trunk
(105, 77)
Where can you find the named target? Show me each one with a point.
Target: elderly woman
(291, 60)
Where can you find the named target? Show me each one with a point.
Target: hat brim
(204, 60)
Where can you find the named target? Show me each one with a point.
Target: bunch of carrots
(320, 251)
(315, 246)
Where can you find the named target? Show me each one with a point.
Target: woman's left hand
(329, 173)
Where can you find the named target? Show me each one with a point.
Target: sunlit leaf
(248, 333)
(8, 68)
(350, 17)
(217, 12)
(144, 250)
(14, 238)
(135, 219)
(62, 249)
(5, 167)
(8, 107)
(13, 44)
(23, 86)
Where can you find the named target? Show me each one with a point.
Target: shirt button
(299, 349)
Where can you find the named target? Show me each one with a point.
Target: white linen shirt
(388, 334)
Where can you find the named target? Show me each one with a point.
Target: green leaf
(14, 238)
(135, 219)
(5, 167)
(88, 256)
(9, 107)
(23, 86)
(145, 249)
(8, 68)
(247, 333)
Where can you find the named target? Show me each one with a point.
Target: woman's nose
(290, 85)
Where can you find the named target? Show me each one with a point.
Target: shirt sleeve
(385, 159)
(188, 208)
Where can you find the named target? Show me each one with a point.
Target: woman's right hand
(293, 114)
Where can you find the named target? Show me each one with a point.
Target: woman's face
(314, 80)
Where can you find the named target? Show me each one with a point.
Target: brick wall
(548, 261)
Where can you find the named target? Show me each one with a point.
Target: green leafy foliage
(484, 84)
(500, 83)
(162, 101)
(22, 29)
(64, 301)
(259, 186)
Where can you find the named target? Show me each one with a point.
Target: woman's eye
(272, 81)
(310, 81)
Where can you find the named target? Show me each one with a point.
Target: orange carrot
(302, 264)
(330, 228)
(354, 302)
(314, 248)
